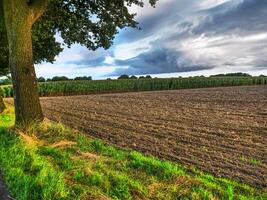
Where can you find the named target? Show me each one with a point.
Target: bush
(60, 78)
(124, 76)
(41, 79)
(83, 78)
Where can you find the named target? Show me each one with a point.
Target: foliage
(124, 76)
(83, 78)
(6, 81)
(232, 74)
(133, 77)
(49, 161)
(41, 79)
(60, 78)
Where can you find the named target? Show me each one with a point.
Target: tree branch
(38, 7)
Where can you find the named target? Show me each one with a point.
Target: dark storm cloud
(247, 16)
(158, 61)
(239, 17)
(167, 15)
(89, 62)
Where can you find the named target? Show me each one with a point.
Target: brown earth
(222, 131)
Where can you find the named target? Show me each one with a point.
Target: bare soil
(222, 131)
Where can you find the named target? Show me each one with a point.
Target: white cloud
(130, 50)
(206, 4)
(71, 70)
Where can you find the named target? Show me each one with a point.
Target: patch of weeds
(93, 178)
(252, 161)
(155, 167)
(6, 120)
(28, 174)
(123, 187)
(61, 158)
(230, 192)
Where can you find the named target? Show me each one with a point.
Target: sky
(178, 38)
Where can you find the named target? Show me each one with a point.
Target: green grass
(49, 161)
(252, 161)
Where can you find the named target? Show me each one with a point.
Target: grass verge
(49, 161)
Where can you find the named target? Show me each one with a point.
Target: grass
(252, 161)
(49, 161)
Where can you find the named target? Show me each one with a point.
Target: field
(71, 87)
(222, 131)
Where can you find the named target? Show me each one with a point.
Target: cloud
(185, 36)
(155, 21)
(158, 61)
(216, 37)
(235, 17)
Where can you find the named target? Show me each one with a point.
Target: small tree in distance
(41, 79)
(133, 77)
(83, 78)
(60, 78)
(124, 76)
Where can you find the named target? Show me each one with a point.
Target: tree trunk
(2, 105)
(19, 20)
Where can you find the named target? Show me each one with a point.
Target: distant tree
(142, 77)
(6, 81)
(133, 77)
(232, 74)
(124, 76)
(60, 78)
(49, 80)
(262, 75)
(148, 76)
(29, 33)
(41, 79)
(83, 78)
(108, 79)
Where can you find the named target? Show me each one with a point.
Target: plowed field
(219, 130)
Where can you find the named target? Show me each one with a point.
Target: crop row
(65, 88)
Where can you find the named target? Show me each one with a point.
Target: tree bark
(19, 18)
